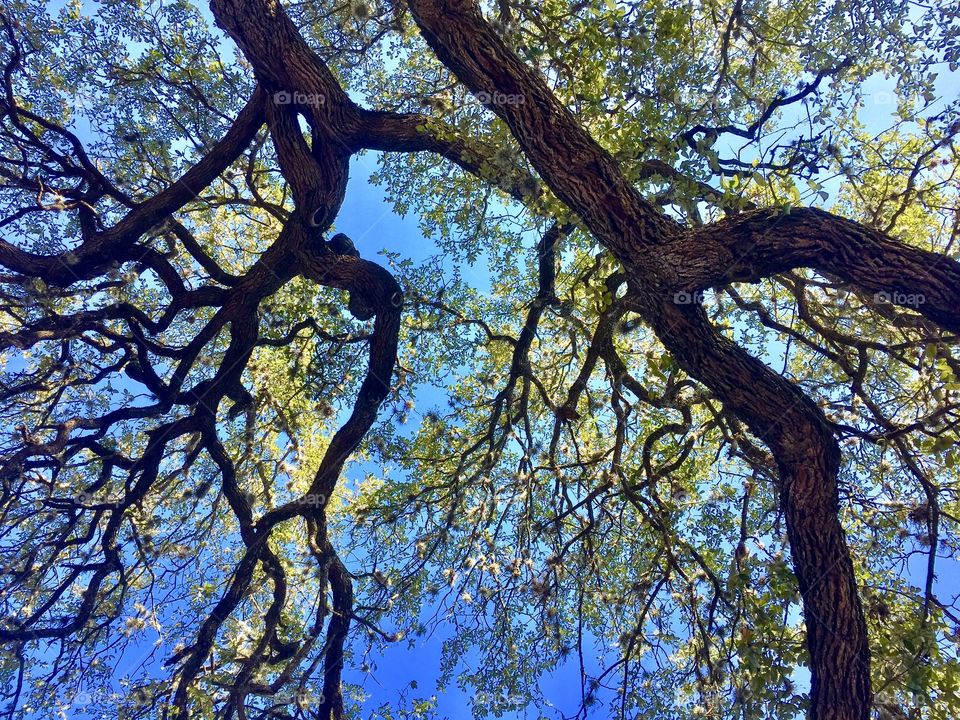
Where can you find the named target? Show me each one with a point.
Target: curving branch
(99, 250)
(755, 245)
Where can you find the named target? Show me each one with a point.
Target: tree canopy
(667, 393)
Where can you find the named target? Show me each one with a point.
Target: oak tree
(668, 393)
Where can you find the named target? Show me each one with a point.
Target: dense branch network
(193, 408)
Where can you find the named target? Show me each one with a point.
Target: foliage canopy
(668, 393)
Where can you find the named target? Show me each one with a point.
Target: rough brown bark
(808, 458)
(757, 244)
(117, 244)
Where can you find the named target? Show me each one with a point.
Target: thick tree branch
(115, 244)
(761, 243)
